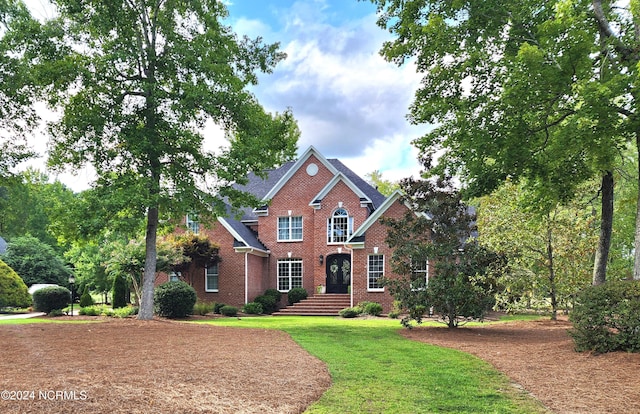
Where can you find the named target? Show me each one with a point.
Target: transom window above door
(339, 226)
(290, 228)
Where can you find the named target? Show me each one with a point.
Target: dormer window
(339, 226)
(193, 225)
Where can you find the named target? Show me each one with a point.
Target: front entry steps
(328, 304)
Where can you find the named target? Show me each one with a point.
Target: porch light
(321, 258)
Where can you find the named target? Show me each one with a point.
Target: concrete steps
(328, 304)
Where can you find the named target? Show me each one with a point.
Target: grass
(376, 370)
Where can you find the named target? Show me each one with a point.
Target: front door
(338, 273)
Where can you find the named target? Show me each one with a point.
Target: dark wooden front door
(338, 273)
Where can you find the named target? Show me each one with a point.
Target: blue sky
(349, 102)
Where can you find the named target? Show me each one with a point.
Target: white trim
(206, 285)
(369, 275)
(332, 183)
(289, 229)
(246, 247)
(296, 166)
(246, 277)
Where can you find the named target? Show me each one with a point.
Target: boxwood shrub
(174, 299)
(274, 293)
(252, 308)
(349, 312)
(296, 295)
(268, 303)
(607, 317)
(229, 310)
(51, 298)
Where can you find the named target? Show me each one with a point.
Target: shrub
(229, 310)
(91, 310)
(370, 308)
(124, 312)
(86, 299)
(56, 312)
(217, 307)
(202, 308)
(296, 295)
(275, 293)
(268, 303)
(13, 290)
(50, 298)
(174, 299)
(394, 315)
(119, 292)
(607, 318)
(252, 308)
(349, 312)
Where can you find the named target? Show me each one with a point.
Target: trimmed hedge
(13, 291)
(606, 318)
(295, 295)
(51, 298)
(268, 303)
(174, 299)
(252, 308)
(86, 299)
(229, 310)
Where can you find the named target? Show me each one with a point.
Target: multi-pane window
(289, 274)
(193, 225)
(290, 228)
(419, 274)
(339, 226)
(375, 271)
(211, 278)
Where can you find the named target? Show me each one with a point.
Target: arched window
(339, 226)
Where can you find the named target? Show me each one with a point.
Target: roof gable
(311, 151)
(331, 184)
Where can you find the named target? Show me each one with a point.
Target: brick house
(320, 231)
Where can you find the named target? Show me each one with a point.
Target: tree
(441, 235)
(136, 82)
(549, 252)
(128, 261)
(386, 187)
(530, 90)
(196, 250)
(17, 86)
(36, 262)
(32, 205)
(13, 291)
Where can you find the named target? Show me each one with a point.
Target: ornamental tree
(440, 231)
(136, 81)
(13, 291)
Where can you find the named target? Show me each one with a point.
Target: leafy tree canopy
(136, 81)
(36, 262)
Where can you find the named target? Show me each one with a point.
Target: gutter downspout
(246, 277)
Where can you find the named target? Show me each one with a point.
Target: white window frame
(288, 227)
(417, 272)
(376, 273)
(215, 273)
(287, 278)
(193, 225)
(337, 219)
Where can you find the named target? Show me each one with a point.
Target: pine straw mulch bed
(160, 366)
(539, 356)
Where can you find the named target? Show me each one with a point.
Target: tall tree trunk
(149, 278)
(636, 256)
(606, 226)
(552, 272)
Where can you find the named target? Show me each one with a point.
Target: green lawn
(376, 370)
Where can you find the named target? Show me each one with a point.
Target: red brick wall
(375, 237)
(296, 196)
